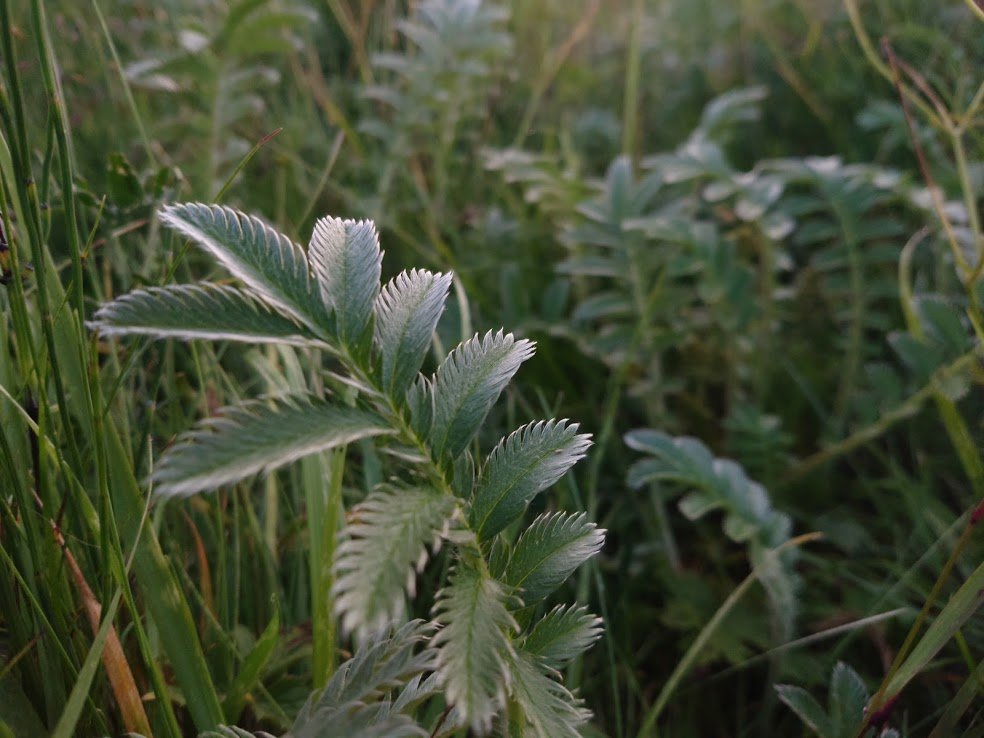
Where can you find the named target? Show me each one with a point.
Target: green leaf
(807, 708)
(248, 675)
(685, 460)
(19, 715)
(72, 710)
(546, 708)
(268, 263)
(942, 322)
(474, 651)
(846, 702)
(363, 721)
(388, 659)
(961, 606)
(420, 400)
(355, 703)
(522, 465)
(725, 111)
(714, 483)
(386, 541)
(603, 305)
(258, 436)
(548, 552)
(228, 731)
(347, 262)
(468, 383)
(958, 705)
(199, 311)
(562, 634)
(407, 311)
(463, 475)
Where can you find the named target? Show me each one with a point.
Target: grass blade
(961, 606)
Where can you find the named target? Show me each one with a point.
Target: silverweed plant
(490, 659)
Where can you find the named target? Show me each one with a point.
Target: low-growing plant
(212, 77)
(426, 94)
(689, 276)
(711, 484)
(495, 652)
(798, 314)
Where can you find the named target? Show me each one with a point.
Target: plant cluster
(492, 656)
(745, 243)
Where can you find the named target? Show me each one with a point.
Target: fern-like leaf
(230, 731)
(258, 436)
(199, 311)
(387, 538)
(376, 720)
(407, 311)
(562, 634)
(549, 551)
(546, 708)
(468, 383)
(522, 465)
(347, 262)
(268, 263)
(474, 650)
(356, 702)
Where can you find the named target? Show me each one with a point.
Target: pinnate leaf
(711, 483)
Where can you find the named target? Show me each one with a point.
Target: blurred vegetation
(746, 237)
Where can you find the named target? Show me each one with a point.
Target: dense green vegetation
(660, 415)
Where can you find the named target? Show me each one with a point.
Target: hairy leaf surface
(522, 465)
(474, 650)
(562, 634)
(548, 552)
(546, 708)
(407, 311)
(355, 703)
(258, 436)
(386, 541)
(347, 262)
(268, 262)
(420, 400)
(468, 383)
(199, 311)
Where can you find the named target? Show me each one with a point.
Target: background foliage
(746, 238)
